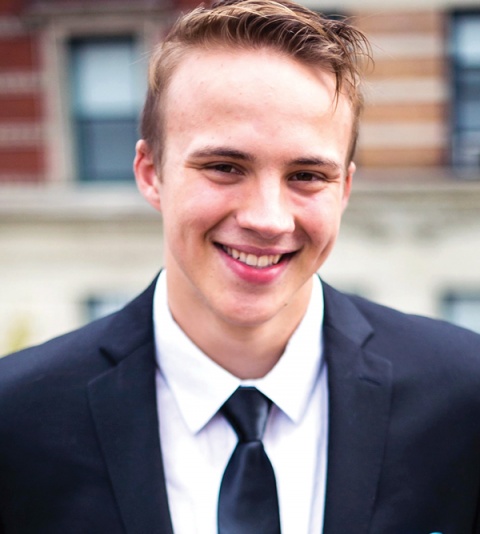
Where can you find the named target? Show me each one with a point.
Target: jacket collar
(123, 406)
(359, 406)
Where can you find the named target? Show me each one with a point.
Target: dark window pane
(99, 306)
(107, 149)
(463, 309)
(466, 148)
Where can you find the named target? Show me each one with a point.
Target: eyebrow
(223, 152)
(319, 162)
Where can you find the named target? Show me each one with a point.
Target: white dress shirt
(197, 441)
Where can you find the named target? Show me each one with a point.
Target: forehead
(262, 91)
(210, 68)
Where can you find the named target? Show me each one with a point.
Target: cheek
(322, 218)
(321, 227)
(192, 211)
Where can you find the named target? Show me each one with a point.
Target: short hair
(281, 25)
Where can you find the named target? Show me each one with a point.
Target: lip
(253, 274)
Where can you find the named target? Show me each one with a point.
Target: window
(100, 305)
(466, 89)
(331, 13)
(106, 96)
(463, 309)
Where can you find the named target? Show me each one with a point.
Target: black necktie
(248, 502)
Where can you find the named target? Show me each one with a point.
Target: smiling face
(252, 185)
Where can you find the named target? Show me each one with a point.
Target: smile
(252, 260)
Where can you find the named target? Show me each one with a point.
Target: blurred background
(76, 238)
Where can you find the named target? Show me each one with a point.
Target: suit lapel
(123, 406)
(359, 407)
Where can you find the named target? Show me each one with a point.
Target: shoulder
(44, 390)
(433, 367)
(75, 357)
(64, 352)
(390, 324)
(48, 378)
(436, 361)
(411, 343)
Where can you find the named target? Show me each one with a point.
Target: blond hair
(281, 25)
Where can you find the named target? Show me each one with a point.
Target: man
(128, 425)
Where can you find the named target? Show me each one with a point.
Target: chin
(249, 316)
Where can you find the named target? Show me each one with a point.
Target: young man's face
(253, 183)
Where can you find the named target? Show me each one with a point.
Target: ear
(145, 174)
(347, 186)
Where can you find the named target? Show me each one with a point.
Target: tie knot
(247, 411)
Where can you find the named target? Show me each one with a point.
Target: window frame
(145, 28)
(457, 72)
(81, 121)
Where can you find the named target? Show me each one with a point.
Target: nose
(265, 209)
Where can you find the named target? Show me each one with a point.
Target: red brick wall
(11, 7)
(399, 65)
(22, 157)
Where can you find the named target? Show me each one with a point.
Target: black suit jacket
(80, 451)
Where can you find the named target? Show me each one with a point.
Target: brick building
(76, 238)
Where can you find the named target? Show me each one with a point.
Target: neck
(247, 352)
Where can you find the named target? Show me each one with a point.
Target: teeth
(251, 259)
(262, 261)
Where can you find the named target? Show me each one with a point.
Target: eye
(306, 176)
(225, 168)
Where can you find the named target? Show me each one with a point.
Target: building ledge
(94, 203)
(123, 203)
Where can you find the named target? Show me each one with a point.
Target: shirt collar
(200, 386)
